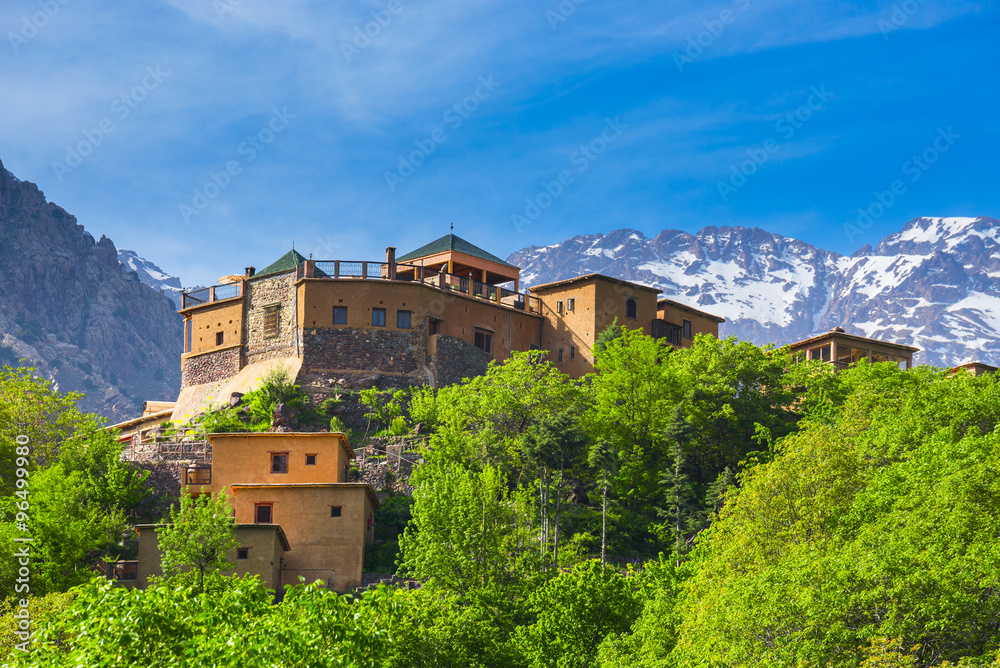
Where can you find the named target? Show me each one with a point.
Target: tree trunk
(604, 515)
(555, 551)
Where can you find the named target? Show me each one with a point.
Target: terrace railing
(352, 269)
(211, 294)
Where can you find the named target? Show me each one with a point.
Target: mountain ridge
(772, 288)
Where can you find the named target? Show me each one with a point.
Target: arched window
(630, 308)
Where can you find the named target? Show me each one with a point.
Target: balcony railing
(661, 329)
(211, 294)
(347, 269)
(122, 570)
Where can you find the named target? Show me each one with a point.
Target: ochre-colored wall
(598, 303)
(206, 321)
(318, 541)
(246, 458)
(460, 314)
(265, 545)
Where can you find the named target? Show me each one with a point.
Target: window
(631, 310)
(688, 329)
(434, 327)
(572, 352)
(484, 341)
(262, 513)
(571, 304)
(219, 338)
(403, 319)
(560, 354)
(821, 353)
(279, 462)
(198, 475)
(243, 553)
(187, 335)
(559, 307)
(378, 317)
(336, 511)
(340, 315)
(271, 321)
(310, 460)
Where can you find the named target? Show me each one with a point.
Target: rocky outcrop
(75, 313)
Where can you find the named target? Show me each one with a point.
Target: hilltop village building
(296, 515)
(432, 316)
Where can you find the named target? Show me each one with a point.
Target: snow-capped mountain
(152, 275)
(935, 284)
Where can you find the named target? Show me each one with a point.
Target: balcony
(467, 286)
(661, 329)
(211, 294)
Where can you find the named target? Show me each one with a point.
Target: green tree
(603, 456)
(199, 537)
(575, 612)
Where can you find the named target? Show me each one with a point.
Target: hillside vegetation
(721, 505)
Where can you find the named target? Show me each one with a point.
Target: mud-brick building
(435, 315)
(296, 515)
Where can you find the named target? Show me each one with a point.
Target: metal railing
(211, 294)
(122, 570)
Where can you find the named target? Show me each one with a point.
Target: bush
(399, 426)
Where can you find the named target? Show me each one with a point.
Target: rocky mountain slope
(152, 276)
(935, 284)
(75, 313)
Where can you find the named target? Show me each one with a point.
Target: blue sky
(784, 115)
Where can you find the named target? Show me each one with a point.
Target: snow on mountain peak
(934, 284)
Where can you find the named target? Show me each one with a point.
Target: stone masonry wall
(211, 367)
(456, 359)
(375, 350)
(260, 294)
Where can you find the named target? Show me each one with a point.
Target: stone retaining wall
(355, 349)
(455, 359)
(211, 367)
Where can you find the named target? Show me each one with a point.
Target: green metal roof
(286, 262)
(450, 242)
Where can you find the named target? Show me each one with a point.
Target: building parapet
(211, 294)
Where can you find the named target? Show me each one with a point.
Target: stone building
(433, 316)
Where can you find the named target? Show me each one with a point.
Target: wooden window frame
(378, 322)
(336, 511)
(272, 321)
(242, 553)
(341, 310)
(631, 306)
(313, 462)
(270, 511)
(487, 339)
(278, 454)
(687, 329)
(188, 478)
(409, 319)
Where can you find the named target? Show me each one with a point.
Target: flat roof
(305, 485)
(294, 434)
(679, 305)
(594, 276)
(166, 413)
(850, 337)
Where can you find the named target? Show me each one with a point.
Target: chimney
(390, 259)
(250, 271)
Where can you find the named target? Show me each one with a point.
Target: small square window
(310, 460)
(219, 338)
(688, 327)
(271, 321)
(243, 553)
(279, 462)
(340, 315)
(403, 319)
(378, 317)
(571, 304)
(336, 511)
(262, 514)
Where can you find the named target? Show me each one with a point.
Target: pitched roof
(450, 242)
(286, 262)
(590, 277)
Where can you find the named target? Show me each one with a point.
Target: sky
(209, 135)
